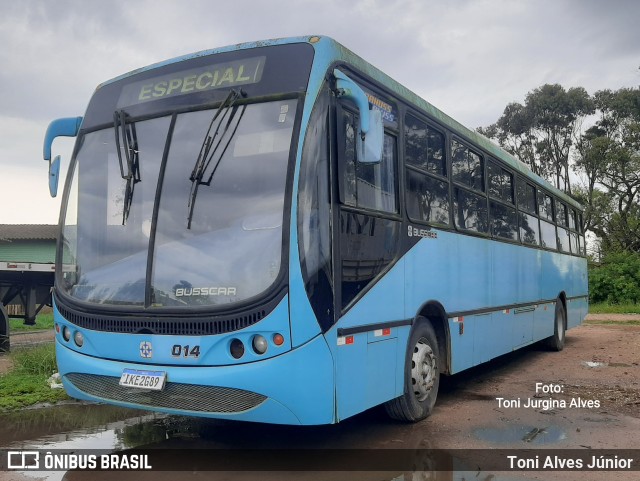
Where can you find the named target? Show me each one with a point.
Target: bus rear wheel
(556, 342)
(421, 376)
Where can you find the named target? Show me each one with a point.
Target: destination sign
(202, 79)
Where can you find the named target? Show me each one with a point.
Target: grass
(26, 384)
(43, 321)
(614, 323)
(604, 308)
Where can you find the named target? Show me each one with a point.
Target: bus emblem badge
(146, 350)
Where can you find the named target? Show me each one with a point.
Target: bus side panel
(556, 275)
(516, 274)
(462, 342)
(369, 365)
(578, 308)
(576, 311)
(543, 318)
(452, 269)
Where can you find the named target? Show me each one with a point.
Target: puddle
(89, 426)
(604, 364)
(519, 436)
(594, 364)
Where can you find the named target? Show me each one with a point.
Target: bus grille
(184, 397)
(168, 327)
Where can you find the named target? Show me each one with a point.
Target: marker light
(66, 333)
(259, 344)
(236, 348)
(78, 338)
(58, 328)
(278, 339)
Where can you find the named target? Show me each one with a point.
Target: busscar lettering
(205, 291)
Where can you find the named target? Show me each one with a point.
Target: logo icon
(146, 350)
(23, 460)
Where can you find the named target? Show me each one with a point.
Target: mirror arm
(66, 127)
(347, 88)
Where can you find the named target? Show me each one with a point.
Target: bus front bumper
(296, 387)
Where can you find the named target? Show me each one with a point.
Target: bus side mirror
(369, 145)
(371, 136)
(65, 127)
(54, 172)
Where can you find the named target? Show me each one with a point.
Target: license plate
(153, 380)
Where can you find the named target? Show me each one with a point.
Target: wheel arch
(435, 313)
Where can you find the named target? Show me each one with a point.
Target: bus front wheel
(556, 342)
(421, 376)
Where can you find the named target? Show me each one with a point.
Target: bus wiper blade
(209, 146)
(132, 158)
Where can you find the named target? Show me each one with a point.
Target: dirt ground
(599, 370)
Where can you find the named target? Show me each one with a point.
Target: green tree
(616, 280)
(608, 156)
(543, 132)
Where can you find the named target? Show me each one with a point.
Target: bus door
(367, 229)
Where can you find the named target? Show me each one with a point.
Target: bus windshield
(150, 241)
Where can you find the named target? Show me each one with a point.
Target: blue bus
(279, 232)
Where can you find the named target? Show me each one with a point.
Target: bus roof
(329, 51)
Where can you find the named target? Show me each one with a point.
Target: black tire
(421, 375)
(556, 342)
(4, 330)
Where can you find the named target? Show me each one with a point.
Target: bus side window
(469, 201)
(368, 186)
(528, 222)
(427, 188)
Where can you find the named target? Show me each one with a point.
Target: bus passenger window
(572, 219)
(466, 167)
(470, 211)
(503, 221)
(427, 198)
(526, 197)
(529, 229)
(368, 186)
(424, 147)
(545, 206)
(500, 182)
(561, 214)
(563, 239)
(548, 231)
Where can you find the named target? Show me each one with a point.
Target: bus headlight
(78, 338)
(236, 348)
(259, 344)
(66, 333)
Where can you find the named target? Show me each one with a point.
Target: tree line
(589, 147)
(549, 134)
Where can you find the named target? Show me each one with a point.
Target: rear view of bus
(171, 291)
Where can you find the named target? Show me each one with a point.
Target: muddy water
(82, 426)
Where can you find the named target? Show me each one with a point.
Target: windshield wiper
(131, 158)
(210, 147)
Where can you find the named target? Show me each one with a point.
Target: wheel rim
(423, 369)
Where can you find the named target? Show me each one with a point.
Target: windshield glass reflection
(232, 250)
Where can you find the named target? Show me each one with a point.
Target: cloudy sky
(467, 57)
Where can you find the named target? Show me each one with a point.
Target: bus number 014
(187, 351)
